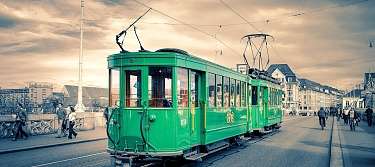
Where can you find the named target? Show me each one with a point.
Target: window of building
(133, 88)
(219, 91)
(211, 90)
(194, 83)
(160, 87)
(226, 92)
(254, 95)
(182, 87)
(114, 86)
(232, 92)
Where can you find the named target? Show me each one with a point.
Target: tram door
(195, 106)
(264, 105)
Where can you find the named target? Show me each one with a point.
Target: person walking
(369, 115)
(105, 114)
(322, 117)
(61, 116)
(346, 114)
(339, 111)
(72, 118)
(352, 119)
(21, 118)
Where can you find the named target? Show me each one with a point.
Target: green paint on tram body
(168, 102)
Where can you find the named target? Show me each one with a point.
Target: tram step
(268, 131)
(201, 155)
(196, 156)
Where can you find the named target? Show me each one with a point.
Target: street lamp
(79, 106)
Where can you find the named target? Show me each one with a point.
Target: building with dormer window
(289, 83)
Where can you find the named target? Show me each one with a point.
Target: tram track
(233, 149)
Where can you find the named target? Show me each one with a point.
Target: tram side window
(160, 87)
(271, 97)
(133, 88)
(194, 83)
(243, 94)
(254, 95)
(182, 87)
(232, 91)
(114, 86)
(249, 92)
(211, 90)
(226, 92)
(219, 91)
(238, 94)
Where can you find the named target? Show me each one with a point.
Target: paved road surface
(300, 142)
(68, 155)
(358, 146)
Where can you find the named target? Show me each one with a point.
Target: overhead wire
(277, 18)
(239, 15)
(188, 25)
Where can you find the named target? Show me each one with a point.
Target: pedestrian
(369, 115)
(352, 119)
(322, 117)
(346, 114)
(105, 114)
(20, 125)
(61, 116)
(357, 117)
(72, 118)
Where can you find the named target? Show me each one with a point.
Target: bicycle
(7, 129)
(41, 127)
(78, 124)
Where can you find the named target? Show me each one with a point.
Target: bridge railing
(41, 124)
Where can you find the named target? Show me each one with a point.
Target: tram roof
(165, 58)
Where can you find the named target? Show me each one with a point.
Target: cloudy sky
(322, 40)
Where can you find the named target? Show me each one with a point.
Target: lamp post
(79, 106)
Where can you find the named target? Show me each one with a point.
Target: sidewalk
(358, 147)
(42, 141)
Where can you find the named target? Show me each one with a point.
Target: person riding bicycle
(322, 117)
(352, 118)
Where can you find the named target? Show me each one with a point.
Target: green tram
(169, 103)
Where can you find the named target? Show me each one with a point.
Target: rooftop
(284, 68)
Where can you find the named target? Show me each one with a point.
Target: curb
(336, 156)
(49, 145)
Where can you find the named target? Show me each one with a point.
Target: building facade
(303, 95)
(39, 92)
(313, 96)
(289, 84)
(369, 89)
(93, 98)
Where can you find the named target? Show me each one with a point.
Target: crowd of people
(66, 118)
(350, 116)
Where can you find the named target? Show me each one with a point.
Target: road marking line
(65, 160)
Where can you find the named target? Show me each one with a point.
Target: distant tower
(79, 106)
